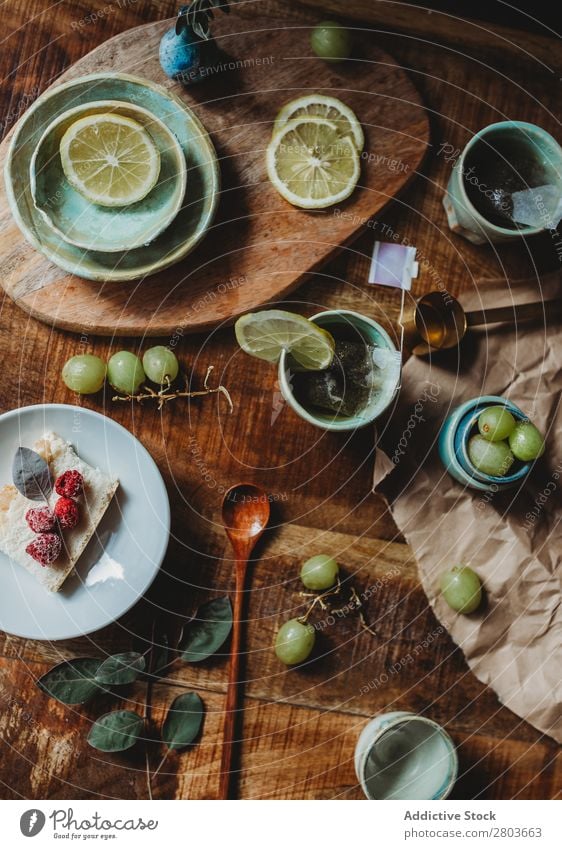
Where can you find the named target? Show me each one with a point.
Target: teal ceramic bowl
(453, 445)
(344, 322)
(100, 228)
(188, 227)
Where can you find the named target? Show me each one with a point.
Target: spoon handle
(517, 312)
(230, 720)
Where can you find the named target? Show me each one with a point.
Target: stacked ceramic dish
(111, 177)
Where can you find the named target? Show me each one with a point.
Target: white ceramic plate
(124, 556)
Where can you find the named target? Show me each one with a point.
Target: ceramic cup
(372, 333)
(400, 755)
(453, 445)
(462, 215)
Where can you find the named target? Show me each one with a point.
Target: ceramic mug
(372, 333)
(462, 215)
(400, 755)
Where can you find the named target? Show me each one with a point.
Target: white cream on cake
(15, 533)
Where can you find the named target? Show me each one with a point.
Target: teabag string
(394, 265)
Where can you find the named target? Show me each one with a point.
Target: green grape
(526, 442)
(84, 374)
(462, 589)
(330, 41)
(294, 641)
(319, 572)
(160, 363)
(490, 458)
(495, 423)
(125, 372)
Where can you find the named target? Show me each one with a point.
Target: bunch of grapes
(502, 440)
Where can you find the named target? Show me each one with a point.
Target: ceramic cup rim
(532, 129)
(353, 422)
(402, 718)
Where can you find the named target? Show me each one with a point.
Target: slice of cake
(47, 538)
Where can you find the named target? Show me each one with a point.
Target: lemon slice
(110, 159)
(266, 334)
(311, 165)
(322, 106)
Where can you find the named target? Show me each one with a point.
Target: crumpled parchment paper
(512, 539)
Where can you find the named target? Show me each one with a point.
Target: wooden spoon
(245, 514)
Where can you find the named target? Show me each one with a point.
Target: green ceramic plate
(102, 228)
(203, 180)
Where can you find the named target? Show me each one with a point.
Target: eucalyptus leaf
(72, 682)
(31, 475)
(183, 721)
(207, 631)
(116, 731)
(121, 668)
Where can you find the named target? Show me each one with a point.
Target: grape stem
(354, 603)
(166, 394)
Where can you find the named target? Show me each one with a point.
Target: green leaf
(121, 668)
(183, 721)
(207, 631)
(116, 731)
(72, 682)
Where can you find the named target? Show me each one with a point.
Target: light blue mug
(373, 334)
(541, 148)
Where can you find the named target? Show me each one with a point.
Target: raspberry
(45, 548)
(70, 484)
(40, 519)
(66, 512)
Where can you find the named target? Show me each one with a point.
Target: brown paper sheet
(513, 540)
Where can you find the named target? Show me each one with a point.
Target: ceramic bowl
(371, 332)
(100, 228)
(400, 755)
(453, 445)
(191, 222)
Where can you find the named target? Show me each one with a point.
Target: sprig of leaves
(79, 680)
(198, 16)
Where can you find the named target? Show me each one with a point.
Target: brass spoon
(437, 321)
(245, 514)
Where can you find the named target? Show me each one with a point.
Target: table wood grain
(300, 727)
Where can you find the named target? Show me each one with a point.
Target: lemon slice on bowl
(311, 165)
(266, 334)
(322, 106)
(110, 159)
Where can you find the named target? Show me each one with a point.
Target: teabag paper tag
(393, 265)
(538, 207)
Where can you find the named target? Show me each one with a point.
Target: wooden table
(300, 727)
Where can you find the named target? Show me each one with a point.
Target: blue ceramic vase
(184, 54)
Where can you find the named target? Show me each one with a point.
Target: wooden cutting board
(260, 247)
